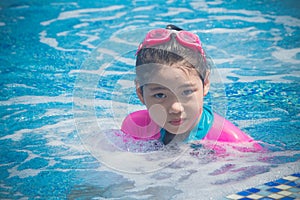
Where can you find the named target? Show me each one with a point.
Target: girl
(172, 78)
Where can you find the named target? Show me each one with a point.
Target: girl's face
(174, 98)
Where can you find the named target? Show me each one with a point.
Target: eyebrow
(158, 88)
(188, 85)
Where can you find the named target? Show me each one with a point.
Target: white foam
(229, 72)
(170, 1)
(123, 41)
(217, 2)
(52, 42)
(20, 7)
(287, 55)
(199, 5)
(126, 84)
(225, 30)
(116, 55)
(248, 123)
(100, 72)
(144, 8)
(196, 20)
(116, 16)
(14, 85)
(174, 11)
(80, 25)
(2, 24)
(66, 3)
(81, 13)
(33, 100)
(64, 33)
(287, 21)
(212, 178)
(233, 11)
(87, 42)
(6, 117)
(256, 19)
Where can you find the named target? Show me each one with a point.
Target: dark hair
(171, 53)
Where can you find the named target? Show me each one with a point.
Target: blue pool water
(66, 75)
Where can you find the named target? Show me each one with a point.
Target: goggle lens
(159, 36)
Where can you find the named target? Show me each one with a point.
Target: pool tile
(294, 190)
(274, 190)
(264, 193)
(287, 198)
(291, 178)
(272, 184)
(295, 195)
(253, 190)
(285, 193)
(244, 193)
(275, 196)
(234, 196)
(254, 196)
(296, 174)
(282, 181)
(263, 187)
(292, 184)
(285, 188)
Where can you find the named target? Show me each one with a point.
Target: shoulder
(224, 131)
(140, 126)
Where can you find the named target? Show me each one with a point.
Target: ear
(206, 84)
(139, 91)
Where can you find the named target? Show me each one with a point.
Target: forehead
(166, 75)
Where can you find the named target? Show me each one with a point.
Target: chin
(178, 131)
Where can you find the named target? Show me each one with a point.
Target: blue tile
(270, 187)
(295, 195)
(263, 187)
(296, 174)
(264, 193)
(274, 190)
(287, 198)
(294, 190)
(244, 193)
(253, 190)
(272, 184)
(282, 181)
(291, 184)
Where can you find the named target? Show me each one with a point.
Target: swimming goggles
(160, 36)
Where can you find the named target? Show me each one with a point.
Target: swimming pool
(54, 93)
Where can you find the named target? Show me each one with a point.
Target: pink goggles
(160, 36)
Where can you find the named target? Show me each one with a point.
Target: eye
(187, 92)
(160, 95)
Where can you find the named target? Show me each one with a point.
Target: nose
(176, 107)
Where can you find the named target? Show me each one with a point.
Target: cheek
(158, 114)
(195, 108)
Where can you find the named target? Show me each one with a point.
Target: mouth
(177, 122)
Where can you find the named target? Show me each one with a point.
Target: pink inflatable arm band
(140, 126)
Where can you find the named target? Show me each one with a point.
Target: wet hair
(172, 53)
